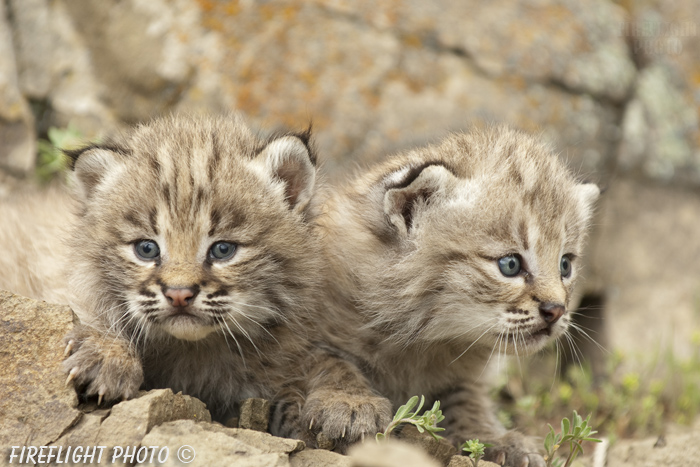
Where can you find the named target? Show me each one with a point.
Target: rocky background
(615, 87)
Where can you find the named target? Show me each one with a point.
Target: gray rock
(84, 433)
(576, 46)
(390, 454)
(210, 444)
(130, 421)
(34, 38)
(643, 254)
(55, 67)
(377, 79)
(136, 53)
(463, 461)
(442, 450)
(659, 128)
(17, 139)
(36, 406)
(319, 458)
(680, 449)
(255, 414)
(262, 441)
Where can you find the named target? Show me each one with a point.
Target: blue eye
(147, 249)
(509, 265)
(222, 250)
(565, 266)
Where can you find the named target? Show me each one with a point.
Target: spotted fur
(416, 296)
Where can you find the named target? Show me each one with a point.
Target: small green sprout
(51, 159)
(426, 422)
(475, 450)
(574, 432)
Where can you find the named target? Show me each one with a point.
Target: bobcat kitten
(194, 266)
(446, 255)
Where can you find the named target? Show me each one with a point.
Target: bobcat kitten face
(192, 226)
(484, 233)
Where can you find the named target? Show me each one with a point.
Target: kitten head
(190, 226)
(480, 240)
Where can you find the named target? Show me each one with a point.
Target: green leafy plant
(426, 422)
(573, 432)
(51, 160)
(475, 450)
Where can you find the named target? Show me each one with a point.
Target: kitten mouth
(537, 334)
(186, 326)
(544, 332)
(531, 340)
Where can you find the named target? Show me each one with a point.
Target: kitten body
(192, 264)
(417, 297)
(34, 226)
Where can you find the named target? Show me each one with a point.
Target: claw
(343, 435)
(362, 436)
(501, 459)
(100, 395)
(71, 375)
(311, 425)
(69, 348)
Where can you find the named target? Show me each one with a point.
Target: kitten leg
(340, 405)
(102, 364)
(470, 415)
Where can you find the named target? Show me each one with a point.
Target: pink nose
(551, 312)
(179, 297)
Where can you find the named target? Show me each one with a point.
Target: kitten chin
(187, 328)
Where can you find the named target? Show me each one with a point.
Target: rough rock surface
(131, 420)
(318, 458)
(17, 142)
(390, 454)
(678, 449)
(442, 450)
(255, 414)
(462, 461)
(210, 444)
(36, 406)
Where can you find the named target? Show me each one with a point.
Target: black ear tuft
(411, 189)
(306, 137)
(74, 154)
(93, 162)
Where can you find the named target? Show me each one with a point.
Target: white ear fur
(589, 193)
(288, 159)
(400, 201)
(93, 167)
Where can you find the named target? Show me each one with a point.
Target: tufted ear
(290, 160)
(93, 165)
(588, 193)
(412, 189)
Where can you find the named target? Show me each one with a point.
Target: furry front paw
(101, 365)
(514, 450)
(345, 418)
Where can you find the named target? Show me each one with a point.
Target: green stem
(572, 454)
(393, 425)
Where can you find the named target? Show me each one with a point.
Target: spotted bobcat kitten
(194, 266)
(444, 258)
